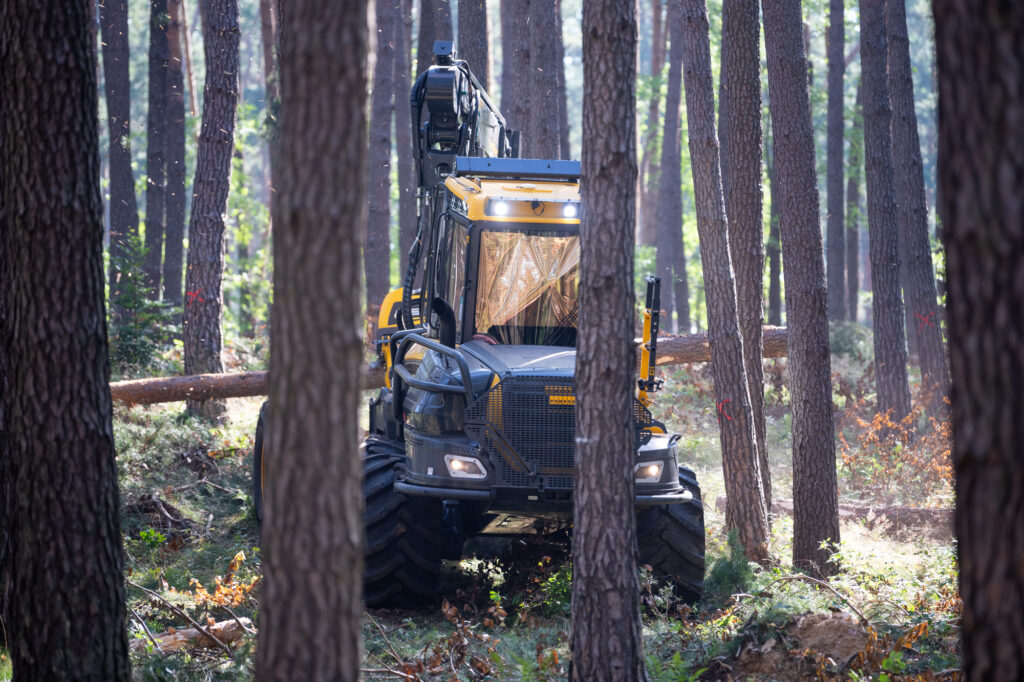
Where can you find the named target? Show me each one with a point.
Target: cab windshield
(528, 289)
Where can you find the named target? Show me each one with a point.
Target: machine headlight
(464, 467)
(648, 472)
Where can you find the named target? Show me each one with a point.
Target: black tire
(257, 465)
(671, 541)
(403, 535)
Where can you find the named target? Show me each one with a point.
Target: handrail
(400, 374)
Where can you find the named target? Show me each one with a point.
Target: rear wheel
(671, 541)
(403, 535)
(258, 465)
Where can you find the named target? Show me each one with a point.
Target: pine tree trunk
(668, 216)
(563, 104)
(650, 230)
(542, 135)
(681, 286)
(174, 248)
(377, 247)
(66, 619)
(516, 83)
(886, 305)
(747, 511)
(916, 273)
(853, 210)
(980, 51)
(124, 213)
(435, 24)
(836, 237)
(774, 244)
(741, 99)
(156, 124)
(474, 41)
(203, 295)
(314, 517)
(606, 637)
(815, 492)
(403, 135)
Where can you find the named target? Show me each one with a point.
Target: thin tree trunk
(313, 524)
(836, 238)
(815, 492)
(435, 24)
(669, 214)
(741, 99)
(563, 104)
(542, 135)
(650, 231)
(474, 42)
(853, 209)
(124, 213)
(774, 245)
(377, 246)
(515, 71)
(747, 512)
(916, 274)
(66, 619)
(174, 249)
(156, 124)
(681, 286)
(403, 134)
(606, 636)
(203, 295)
(887, 306)
(980, 50)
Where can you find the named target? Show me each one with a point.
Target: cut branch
(672, 350)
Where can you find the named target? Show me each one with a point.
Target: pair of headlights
(460, 466)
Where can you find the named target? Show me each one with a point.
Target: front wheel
(670, 539)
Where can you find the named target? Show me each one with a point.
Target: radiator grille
(528, 427)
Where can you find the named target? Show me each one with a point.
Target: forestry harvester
(474, 431)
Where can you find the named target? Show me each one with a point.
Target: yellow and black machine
(474, 432)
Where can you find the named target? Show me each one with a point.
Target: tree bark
(980, 50)
(377, 247)
(542, 135)
(741, 145)
(837, 309)
(435, 24)
(886, 305)
(203, 296)
(668, 216)
(403, 135)
(156, 124)
(650, 229)
(748, 515)
(515, 69)
(680, 283)
(774, 244)
(815, 492)
(606, 637)
(313, 528)
(916, 273)
(66, 619)
(174, 248)
(853, 209)
(124, 212)
(474, 41)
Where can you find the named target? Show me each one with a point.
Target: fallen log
(673, 349)
(892, 518)
(227, 631)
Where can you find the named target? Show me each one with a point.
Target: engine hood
(512, 360)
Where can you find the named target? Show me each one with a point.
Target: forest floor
(891, 611)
